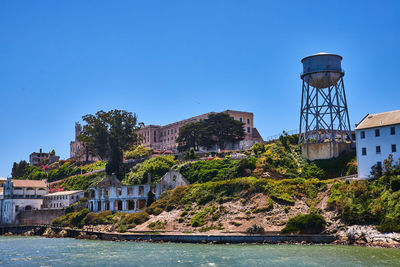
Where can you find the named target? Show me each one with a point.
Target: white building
(20, 195)
(61, 200)
(377, 135)
(111, 194)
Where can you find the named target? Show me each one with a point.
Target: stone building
(61, 200)
(77, 150)
(164, 137)
(37, 159)
(111, 194)
(377, 136)
(20, 195)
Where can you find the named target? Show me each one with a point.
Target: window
(378, 149)
(248, 121)
(248, 129)
(392, 130)
(377, 132)
(364, 151)
(362, 134)
(379, 164)
(240, 119)
(394, 148)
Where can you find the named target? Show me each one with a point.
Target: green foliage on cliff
(305, 224)
(370, 201)
(82, 182)
(73, 219)
(121, 220)
(283, 160)
(214, 170)
(155, 167)
(58, 170)
(138, 152)
(233, 189)
(345, 164)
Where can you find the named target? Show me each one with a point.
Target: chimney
(40, 151)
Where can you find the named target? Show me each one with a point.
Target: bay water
(39, 251)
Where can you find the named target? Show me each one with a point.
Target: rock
(93, 237)
(8, 234)
(49, 233)
(29, 233)
(63, 233)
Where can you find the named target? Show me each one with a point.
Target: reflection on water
(37, 251)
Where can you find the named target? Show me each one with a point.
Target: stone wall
(324, 150)
(38, 216)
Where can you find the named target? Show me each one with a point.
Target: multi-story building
(61, 200)
(111, 194)
(377, 135)
(77, 150)
(20, 195)
(164, 137)
(37, 159)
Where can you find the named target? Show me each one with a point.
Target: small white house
(377, 136)
(61, 200)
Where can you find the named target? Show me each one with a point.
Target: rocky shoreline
(359, 235)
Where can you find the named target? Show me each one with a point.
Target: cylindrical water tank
(322, 70)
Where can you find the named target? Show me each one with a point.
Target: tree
(194, 135)
(224, 129)
(218, 129)
(107, 134)
(19, 169)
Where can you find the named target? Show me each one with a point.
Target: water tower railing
(311, 72)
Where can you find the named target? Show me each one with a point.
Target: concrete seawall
(220, 239)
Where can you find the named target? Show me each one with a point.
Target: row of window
(241, 120)
(377, 149)
(61, 197)
(378, 132)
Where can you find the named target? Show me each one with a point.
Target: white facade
(61, 200)
(111, 194)
(20, 195)
(374, 146)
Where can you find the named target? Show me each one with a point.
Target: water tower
(324, 119)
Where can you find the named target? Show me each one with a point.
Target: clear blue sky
(169, 60)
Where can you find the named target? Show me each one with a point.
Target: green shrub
(268, 207)
(157, 225)
(199, 218)
(104, 217)
(138, 152)
(258, 148)
(155, 167)
(217, 169)
(75, 219)
(255, 229)
(136, 218)
(305, 224)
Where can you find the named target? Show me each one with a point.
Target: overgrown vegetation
(234, 189)
(82, 182)
(55, 171)
(138, 152)
(255, 229)
(312, 223)
(345, 164)
(217, 169)
(374, 201)
(122, 221)
(283, 160)
(155, 167)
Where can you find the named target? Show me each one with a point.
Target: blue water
(38, 251)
